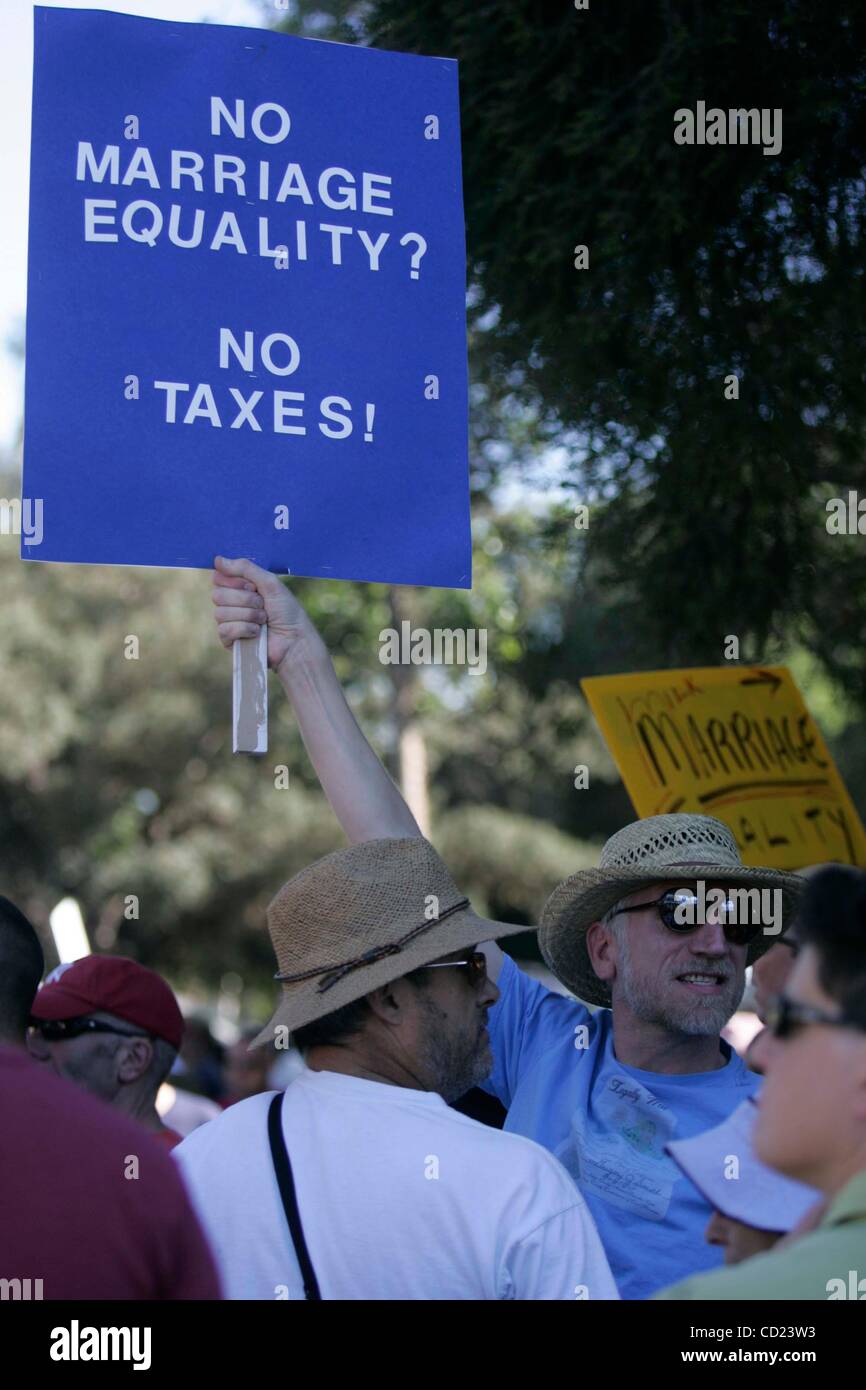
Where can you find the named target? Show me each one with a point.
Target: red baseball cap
(116, 986)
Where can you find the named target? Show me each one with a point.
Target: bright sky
(16, 76)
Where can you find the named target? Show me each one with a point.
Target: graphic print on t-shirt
(615, 1150)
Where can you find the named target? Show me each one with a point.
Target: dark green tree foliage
(704, 261)
(118, 785)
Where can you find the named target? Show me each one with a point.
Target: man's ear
(602, 948)
(134, 1059)
(389, 1004)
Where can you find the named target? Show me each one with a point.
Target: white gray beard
(700, 1018)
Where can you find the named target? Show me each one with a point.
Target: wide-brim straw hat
(362, 917)
(679, 848)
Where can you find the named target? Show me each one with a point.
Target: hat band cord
(332, 974)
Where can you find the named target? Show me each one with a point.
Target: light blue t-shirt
(555, 1070)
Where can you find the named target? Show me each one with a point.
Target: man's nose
(710, 939)
(488, 993)
(765, 1051)
(37, 1046)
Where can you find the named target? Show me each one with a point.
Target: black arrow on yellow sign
(763, 678)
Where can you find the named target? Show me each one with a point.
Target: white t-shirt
(400, 1198)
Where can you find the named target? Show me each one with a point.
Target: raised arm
(364, 799)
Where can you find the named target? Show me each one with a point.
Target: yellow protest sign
(733, 742)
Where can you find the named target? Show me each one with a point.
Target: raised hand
(245, 596)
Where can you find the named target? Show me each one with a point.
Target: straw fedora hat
(660, 849)
(362, 917)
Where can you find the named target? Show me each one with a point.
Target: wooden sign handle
(250, 694)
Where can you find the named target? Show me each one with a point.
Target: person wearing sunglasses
(603, 1087)
(770, 975)
(811, 1122)
(359, 1181)
(771, 972)
(74, 1227)
(112, 1027)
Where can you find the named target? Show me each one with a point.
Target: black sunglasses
(59, 1029)
(475, 963)
(786, 1016)
(736, 933)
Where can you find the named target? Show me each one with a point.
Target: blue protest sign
(246, 315)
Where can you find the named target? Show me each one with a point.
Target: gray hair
(612, 913)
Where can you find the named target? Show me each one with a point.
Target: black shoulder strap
(283, 1169)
